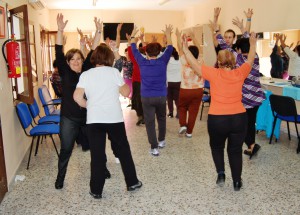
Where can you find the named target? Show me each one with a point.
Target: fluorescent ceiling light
(162, 2)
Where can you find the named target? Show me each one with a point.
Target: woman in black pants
(73, 117)
(102, 86)
(227, 117)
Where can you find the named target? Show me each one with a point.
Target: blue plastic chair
(205, 97)
(35, 112)
(47, 101)
(36, 131)
(284, 108)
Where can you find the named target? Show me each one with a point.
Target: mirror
(265, 46)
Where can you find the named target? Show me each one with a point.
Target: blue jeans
(155, 106)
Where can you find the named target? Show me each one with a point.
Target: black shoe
(107, 173)
(237, 185)
(255, 149)
(221, 179)
(140, 121)
(170, 115)
(59, 184)
(96, 196)
(134, 187)
(247, 152)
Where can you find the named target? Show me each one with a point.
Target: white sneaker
(161, 144)
(117, 160)
(154, 152)
(182, 130)
(188, 135)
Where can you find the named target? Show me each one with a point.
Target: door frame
(3, 177)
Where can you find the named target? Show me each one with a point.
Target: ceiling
(121, 4)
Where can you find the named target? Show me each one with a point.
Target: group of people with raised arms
(92, 87)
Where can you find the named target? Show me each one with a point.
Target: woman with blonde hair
(227, 118)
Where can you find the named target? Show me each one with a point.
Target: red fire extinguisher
(13, 57)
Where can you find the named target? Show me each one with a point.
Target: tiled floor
(180, 181)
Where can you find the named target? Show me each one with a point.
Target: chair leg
(288, 127)
(298, 148)
(31, 146)
(37, 145)
(274, 123)
(54, 145)
(201, 110)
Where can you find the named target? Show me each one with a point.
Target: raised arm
(194, 39)
(217, 12)
(168, 33)
(97, 36)
(179, 43)
(118, 36)
(115, 49)
(60, 28)
(252, 50)
(248, 15)
(82, 42)
(240, 24)
(192, 61)
(133, 39)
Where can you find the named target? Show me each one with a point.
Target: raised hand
(60, 22)
(80, 33)
(217, 11)
(239, 23)
(134, 31)
(169, 29)
(119, 27)
(177, 33)
(98, 24)
(184, 42)
(249, 13)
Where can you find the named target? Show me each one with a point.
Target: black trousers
(251, 130)
(173, 95)
(97, 136)
(136, 102)
(69, 130)
(233, 128)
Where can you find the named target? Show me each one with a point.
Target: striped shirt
(253, 94)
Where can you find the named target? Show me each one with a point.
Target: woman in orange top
(227, 118)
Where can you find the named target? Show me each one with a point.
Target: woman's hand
(98, 24)
(134, 31)
(239, 23)
(249, 13)
(60, 22)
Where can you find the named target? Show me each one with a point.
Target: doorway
(3, 179)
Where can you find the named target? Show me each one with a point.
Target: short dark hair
(54, 64)
(153, 49)
(126, 50)
(175, 54)
(243, 44)
(194, 50)
(102, 55)
(230, 31)
(72, 52)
